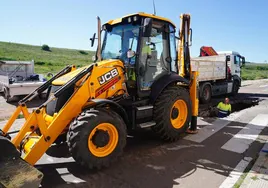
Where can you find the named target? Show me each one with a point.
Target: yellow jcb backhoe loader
(140, 78)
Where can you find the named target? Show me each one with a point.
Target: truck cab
(234, 61)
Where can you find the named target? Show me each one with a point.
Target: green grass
(20, 116)
(254, 71)
(246, 171)
(56, 59)
(45, 61)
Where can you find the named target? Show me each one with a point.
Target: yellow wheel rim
(178, 114)
(98, 144)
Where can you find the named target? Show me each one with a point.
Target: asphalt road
(215, 157)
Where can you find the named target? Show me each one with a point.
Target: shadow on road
(149, 162)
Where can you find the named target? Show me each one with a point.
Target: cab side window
(173, 53)
(237, 60)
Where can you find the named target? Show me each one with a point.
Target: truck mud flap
(14, 171)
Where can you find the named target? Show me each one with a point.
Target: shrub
(45, 47)
(262, 68)
(83, 52)
(39, 63)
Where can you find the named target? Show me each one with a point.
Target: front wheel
(172, 113)
(96, 138)
(235, 88)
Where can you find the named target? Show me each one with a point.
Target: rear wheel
(205, 94)
(96, 138)
(172, 113)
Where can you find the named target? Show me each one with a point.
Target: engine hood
(65, 78)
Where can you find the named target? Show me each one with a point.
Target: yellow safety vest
(132, 75)
(224, 108)
(146, 50)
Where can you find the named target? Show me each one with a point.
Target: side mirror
(243, 61)
(94, 58)
(93, 39)
(147, 27)
(228, 58)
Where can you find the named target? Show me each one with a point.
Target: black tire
(80, 129)
(60, 139)
(235, 88)
(205, 95)
(162, 109)
(6, 95)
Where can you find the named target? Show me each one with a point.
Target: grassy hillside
(58, 58)
(254, 71)
(45, 61)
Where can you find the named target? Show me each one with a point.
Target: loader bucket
(14, 171)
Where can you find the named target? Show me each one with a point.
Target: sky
(225, 25)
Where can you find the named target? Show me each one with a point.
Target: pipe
(99, 39)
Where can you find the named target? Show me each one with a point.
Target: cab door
(237, 65)
(152, 57)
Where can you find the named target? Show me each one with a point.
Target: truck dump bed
(210, 67)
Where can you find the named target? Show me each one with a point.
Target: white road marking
(178, 147)
(242, 140)
(68, 177)
(236, 127)
(209, 130)
(156, 167)
(236, 173)
(201, 122)
(263, 85)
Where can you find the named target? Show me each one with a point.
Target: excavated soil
(210, 110)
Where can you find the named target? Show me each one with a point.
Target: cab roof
(142, 14)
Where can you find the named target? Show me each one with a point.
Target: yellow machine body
(104, 83)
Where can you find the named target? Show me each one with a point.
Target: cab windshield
(118, 40)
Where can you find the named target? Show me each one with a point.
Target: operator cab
(146, 44)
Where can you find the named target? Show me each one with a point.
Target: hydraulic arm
(187, 70)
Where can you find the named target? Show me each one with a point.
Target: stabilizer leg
(195, 103)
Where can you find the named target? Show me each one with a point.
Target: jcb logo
(108, 76)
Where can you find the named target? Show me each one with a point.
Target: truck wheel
(172, 113)
(96, 138)
(6, 95)
(235, 88)
(205, 95)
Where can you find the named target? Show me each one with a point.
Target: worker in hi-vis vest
(224, 109)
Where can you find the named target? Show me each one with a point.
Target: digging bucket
(14, 171)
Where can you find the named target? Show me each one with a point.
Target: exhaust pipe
(99, 38)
